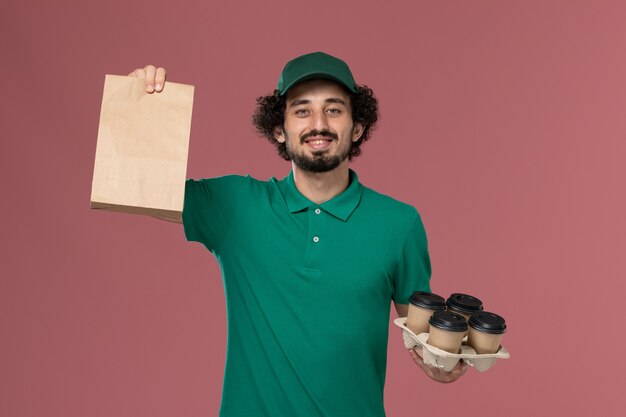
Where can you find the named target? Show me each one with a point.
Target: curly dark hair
(270, 114)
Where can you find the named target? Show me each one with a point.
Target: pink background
(502, 122)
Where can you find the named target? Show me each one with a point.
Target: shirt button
(317, 211)
(316, 239)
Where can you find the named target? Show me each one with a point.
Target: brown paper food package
(143, 143)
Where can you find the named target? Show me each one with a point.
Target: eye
(301, 112)
(334, 111)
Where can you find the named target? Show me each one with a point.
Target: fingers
(416, 356)
(150, 74)
(155, 77)
(428, 370)
(159, 79)
(455, 373)
(418, 351)
(438, 374)
(459, 369)
(139, 73)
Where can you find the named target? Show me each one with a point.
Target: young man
(310, 262)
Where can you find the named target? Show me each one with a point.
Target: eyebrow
(328, 100)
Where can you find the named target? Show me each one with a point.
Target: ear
(279, 135)
(357, 131)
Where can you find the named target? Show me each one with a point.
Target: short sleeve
(210, 207)
(413, 269)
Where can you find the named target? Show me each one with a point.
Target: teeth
(317, 142)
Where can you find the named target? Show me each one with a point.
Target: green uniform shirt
(308, 291)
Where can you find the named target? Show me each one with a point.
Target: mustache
(323, 133)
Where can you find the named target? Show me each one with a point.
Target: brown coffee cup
(486, 331)
(446, 331)
(422, 305)
(463, 304)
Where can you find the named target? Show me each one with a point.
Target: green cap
(312, 66)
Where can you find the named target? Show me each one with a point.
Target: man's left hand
(438, 374)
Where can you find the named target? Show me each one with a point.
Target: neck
(320, 187)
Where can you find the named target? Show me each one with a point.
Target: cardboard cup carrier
(445, 360)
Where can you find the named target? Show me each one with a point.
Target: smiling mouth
(319, 144)
(318, 141)
(318, 136)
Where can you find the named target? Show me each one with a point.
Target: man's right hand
(155, 77)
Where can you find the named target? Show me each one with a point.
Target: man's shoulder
(234, 180)
(379, 200)
(230, 187)
(389, 215)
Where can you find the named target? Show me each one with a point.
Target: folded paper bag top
(143, 143)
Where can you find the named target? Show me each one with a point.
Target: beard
(319, 161)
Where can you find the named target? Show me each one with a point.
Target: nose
(320, 121)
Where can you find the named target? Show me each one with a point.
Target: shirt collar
(340, 206)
